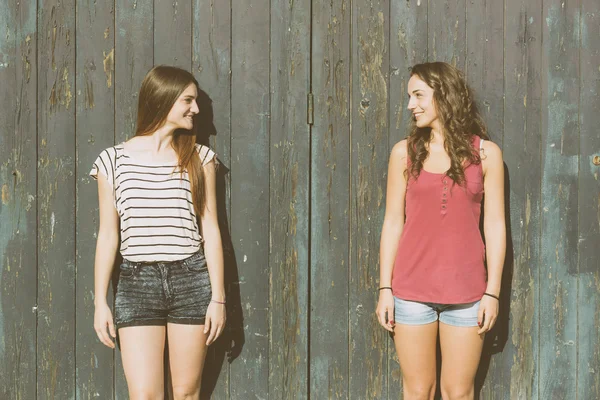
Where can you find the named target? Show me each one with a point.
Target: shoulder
(400, 150)
(206, 154)
(491, 156)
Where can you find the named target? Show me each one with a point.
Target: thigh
(191, 291)
(142, 351)
(416, 349)
(461, 350)
(187, 352)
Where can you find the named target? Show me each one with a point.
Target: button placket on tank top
(444, 205)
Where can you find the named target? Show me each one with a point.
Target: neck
(162, 138)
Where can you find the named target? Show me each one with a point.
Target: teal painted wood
(18, 206)
(484, 71)
(560, 166)
(407, 47)
(522, 155)
(211, 66)
(250, 107)
(173, 33)
(133, 59)
(94, 103)
(588, 337)
(56, 200)
(289, 200)
(369, 153)
(330, 205)
(446, 23)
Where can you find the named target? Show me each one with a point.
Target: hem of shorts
(142, 322)
(459, 323)
(416, 323)
(186, 321)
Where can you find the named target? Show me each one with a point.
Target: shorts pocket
(197, 265)
(127, 270)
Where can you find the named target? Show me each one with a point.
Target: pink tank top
(440, 257)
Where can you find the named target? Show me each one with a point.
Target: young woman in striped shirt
(433, 280)
(157, 193)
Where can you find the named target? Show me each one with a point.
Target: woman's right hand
(385, 309)
(103, 319)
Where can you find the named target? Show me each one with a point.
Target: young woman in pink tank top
(433, 278)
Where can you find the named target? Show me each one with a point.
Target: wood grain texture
(369, 135)
(289, 200)
(211, 46)
(250, 104)
(173, 33)
(134, 49)
(18, 236)
(588, 337)
(94, 102)
(559, 219)
(330, 205)
(521, 151)
(446, 22)
(56, 200)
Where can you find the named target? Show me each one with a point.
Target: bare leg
(461, 351)
(187, 351)
(142, 351)
(416, 348)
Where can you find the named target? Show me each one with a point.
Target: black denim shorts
(157, 293)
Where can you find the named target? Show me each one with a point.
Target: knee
(457, 392)
(418, 390)
(186, 392)
(146, 394)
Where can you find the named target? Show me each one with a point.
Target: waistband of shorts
(169, 264)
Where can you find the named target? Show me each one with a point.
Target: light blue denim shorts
(417, 313)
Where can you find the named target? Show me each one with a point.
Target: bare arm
(393, 225)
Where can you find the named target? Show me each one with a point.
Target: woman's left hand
(488, 313)
(214, 322)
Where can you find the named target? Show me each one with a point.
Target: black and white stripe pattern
(154, 203)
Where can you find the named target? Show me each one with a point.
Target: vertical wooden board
(330, 195)
(485, 59)
(560, 146)
(212, 65)
(369, 136)
(18, 237)
(250, 104)
(133, 59)
(94, 103)
(173, 33)
(521, 152)
(408, 46)
(289, 200)
(447, 32)
(56, 194)
(588, 360)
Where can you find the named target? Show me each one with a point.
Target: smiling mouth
(416, 115)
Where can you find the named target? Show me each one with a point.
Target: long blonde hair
(161, 87)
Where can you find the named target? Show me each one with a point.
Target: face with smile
(421, 103)
(184, 109)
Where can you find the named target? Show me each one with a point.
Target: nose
(195, 109)
(411, 103)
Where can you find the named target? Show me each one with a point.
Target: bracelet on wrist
(218, 302)
(492, 295)
(385, 287)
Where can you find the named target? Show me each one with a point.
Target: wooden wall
(301, 204)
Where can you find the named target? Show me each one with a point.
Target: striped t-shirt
(154, 203)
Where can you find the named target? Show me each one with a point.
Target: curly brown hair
(458, 115)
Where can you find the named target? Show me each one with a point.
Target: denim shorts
(157, 293)
(418, 313)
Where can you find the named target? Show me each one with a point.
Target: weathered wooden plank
(330, 205)
(289, 200)
(250, 104)
(588, 337)
(447, 32)
(173, 33)
(211, 65)
(18, 236)
(522, 154)
(133, 59)
(369, 132)
(94, 103)
(56, 199)
(560, 164)
(407, 47)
